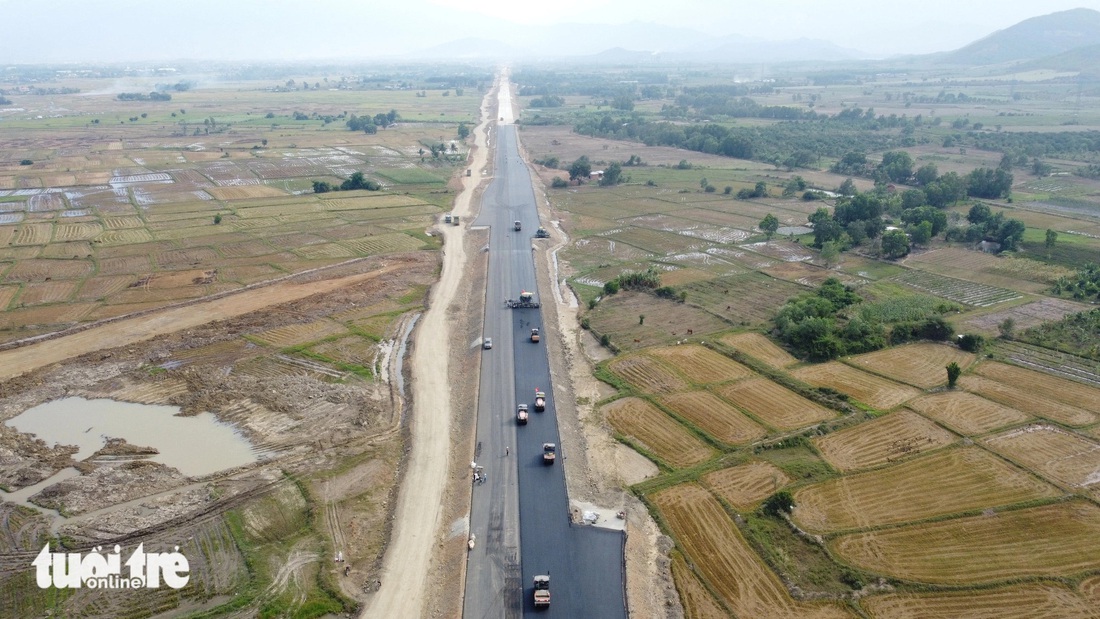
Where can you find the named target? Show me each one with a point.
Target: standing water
(197, 445)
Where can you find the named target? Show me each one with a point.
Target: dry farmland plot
(243, 193)
(1090, 588)
(119, 223)
(1053, 387)
(45, 315)
(700, 365)
(967, 413)
(958, 290)
(184, 258)
(759, 347)
(1030, 601)
(292, 335)
(657, 241)
(921, 364)
(784, 251)
(647, 374)
(808, 274)
(41, 270)
(745, 485)
(128, 236)
(1027, 315)
(124, 265)
(751, 298)
(76, 249)
(324, 250)
(724, 559)
(77, 232)
(351, 349)
(38, 293)
(1056, 454)
(874, 390)
(946, 482)
(665, 320)
(713, 416)
(1015, 273)
(892, 437)
(96, 288)
(7, 293)
(1027, 401)
(656, 432)
(1062, 539)
(383, 244)
(697, 601)
(774, 405)
(32, 234)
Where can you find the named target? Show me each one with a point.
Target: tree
(761, 190)
(612, 176)
(769, 225)
(581, 168)
(1010, 233)
(1052, 237)
(895, 244)
(641, 319)
(927, 174)
(781, 501)
(1007, 329)
(921, 233)
(953, 372)
(986, 183)
(847, 188)
(321, 187)
(979, 213)
(559, 183)
(217, 219)
(829, 253)
(463, 131)
(896, 166)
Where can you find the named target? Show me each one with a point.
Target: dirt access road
(418, 517)
(142, 328)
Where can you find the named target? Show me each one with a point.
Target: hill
(1034, 38)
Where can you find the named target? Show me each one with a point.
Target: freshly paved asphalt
(524, 505)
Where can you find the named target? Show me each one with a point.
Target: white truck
(542, 590)
(540, 401)
(521, 414)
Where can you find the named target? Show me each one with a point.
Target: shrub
(559, 183)
(971, 342)
(781, 501)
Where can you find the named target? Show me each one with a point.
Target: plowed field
(1031, 601)
(774, 405)
(967, 413)
(700, 365)
(657, 432)
(647, 374)
(1051, 540)
(1027, 401)
(761, 348)
(893, 437)
(714, 416)
(945, 482)
(1058, 455)
(745, 485)
(698, 602)
(1060, 389)
(874, 390)
(921, 364)
(713, 544)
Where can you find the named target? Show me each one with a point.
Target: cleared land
(647, 374)
(1030, 601)
(761, 348)
(1090, 588)
(725, 560)
(1051, 540)
(1028, 401)
(697, 601)
(945, 482)
(714, 416)
(1061, 456)
(700, 365)
(1045, 385)
(656, 432)
(874, 390)
(892, 437)
(920, 364)
(967, 413)
(774, 405)
(745, 485)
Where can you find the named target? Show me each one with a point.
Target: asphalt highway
(520, 515)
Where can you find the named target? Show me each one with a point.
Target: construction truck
(535, 335)
(540, 401)
(542, 590)
(454, 220)
(526, 301)
(521, 414)
(541, 233)
(517, 226)
(447, 218)
(549, 453)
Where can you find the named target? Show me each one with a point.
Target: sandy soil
(418, 516)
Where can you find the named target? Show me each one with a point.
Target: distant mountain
(1082, 59)
(1031, 39)
(634, 42)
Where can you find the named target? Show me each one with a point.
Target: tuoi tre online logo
(71, 570)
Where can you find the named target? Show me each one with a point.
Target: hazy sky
(137, 30)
